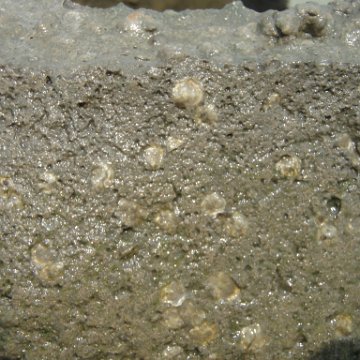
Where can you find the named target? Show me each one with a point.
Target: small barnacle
(288, 22)
(343, 325)
(48, 182)
(187, 93)
(6, 187)
(223, 287)
(173, 294)
(206, 115)
(314, 20)
(252, 338)
(213, 204)
(46, 265)
(204, 333)
(153, 157)
(192, 314)
(130, 213)
(102, 176)
(289, 166)
(236, 225)
(173, 143)
(9, 196)
(326, 234)
(172, 319)
(166, 220)
(273, 99)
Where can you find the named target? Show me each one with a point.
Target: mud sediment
(180, 207)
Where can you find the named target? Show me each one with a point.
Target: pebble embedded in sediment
(173, 352)
(173, 143)
(272, 100)
(48, 182)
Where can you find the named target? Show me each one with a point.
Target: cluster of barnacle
(180, 311)
(304, 19)
(188, 94)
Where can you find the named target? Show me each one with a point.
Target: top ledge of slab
(44, 35)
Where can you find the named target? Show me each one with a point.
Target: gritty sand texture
(176, 203)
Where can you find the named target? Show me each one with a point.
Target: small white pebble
(173, 352)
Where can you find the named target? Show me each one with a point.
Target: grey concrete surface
(179, 185)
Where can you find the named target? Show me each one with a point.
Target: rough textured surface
(135, 41)
(192, 210)
(91, 234)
